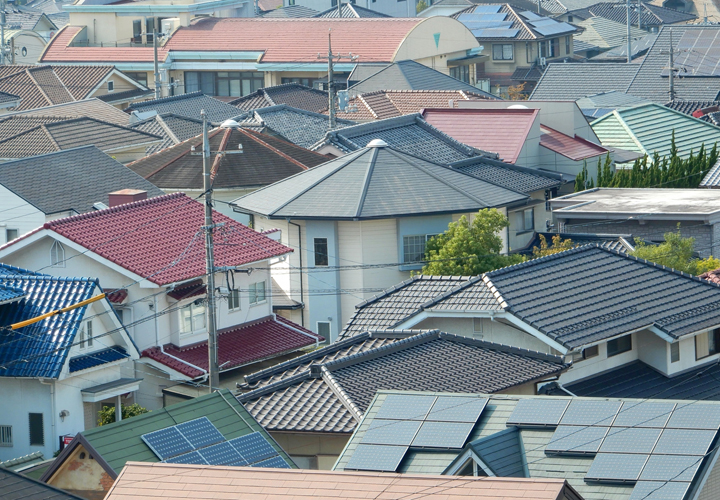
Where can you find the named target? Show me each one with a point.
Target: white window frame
(111, 86)
(6, 436)
(521, 219)
(427, 237)
(702, 344)
(503, 57)
(194, 313)
(254, 293)
(316, 253)
(233, 300)
(674, 352)
(7, 234)
(57, 254)
(329, 326)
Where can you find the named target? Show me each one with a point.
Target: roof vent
(517, 106)
(377, 143)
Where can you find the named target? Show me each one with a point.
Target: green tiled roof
(120, 442)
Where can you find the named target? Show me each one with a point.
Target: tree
(469, 249)
(676, 253)
(558, 245)
(515, 92)
(107, 414)
(421, 6)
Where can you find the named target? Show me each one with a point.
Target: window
(89, 332)
(461, 73)
(111, 86)
(137, 31)
(323, 328)
(11, 234)
(6, 435)
(570, 19)
(529, 57)
(618, 346)
(414, 247)
(675, 352)
(192, 318)
(257, 292)
(590, 352)
(321, 251)
(706, 344)
(525, 220)
(308, 82)
(224, 83)
(502, 52)
(477, 325)
(554, 46)
(149, 28)
(141, 77)
(567, 44)
(57, 255)
(37, 430)
(234, 300)
(291, 2)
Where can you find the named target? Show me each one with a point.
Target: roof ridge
(50, 136)
(340, 393)
(144, 104)
(449, 293)
(251, 134)
(37, 84)
(262, 391)
(413, 339)
(496, 346)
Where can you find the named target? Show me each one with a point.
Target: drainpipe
(157, 327)
(302, 295)
(205, 372)
(51, 383)
(560, 386)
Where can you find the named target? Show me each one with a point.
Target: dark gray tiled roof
(689, 106)
(622, 243)
(652, 15)
(373, 183)
(91, 108)
(293, 94)
(15, 486)
(409, 134)
(73, 179)
(572, 81)
(637, 48)
(188, 105)
(7, 97)
(172, 128)
(507, 175)
(522, 23)
(126, 95)
(314, 400)
(290, 12)
(351, 11)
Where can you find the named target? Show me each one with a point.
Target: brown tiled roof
(391, 103)
(711, 276)
(17, 124)
(81, 80)
(292, 94)
(92, 108)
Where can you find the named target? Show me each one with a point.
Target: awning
(108, 390)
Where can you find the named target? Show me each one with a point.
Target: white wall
(587, 367)
(25, 396)
(16, 213)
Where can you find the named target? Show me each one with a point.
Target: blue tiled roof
(10, 294)
(98, 358)
(8, 270)
(43, 345)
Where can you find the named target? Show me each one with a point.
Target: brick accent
(106, 481)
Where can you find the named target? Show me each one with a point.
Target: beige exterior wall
(321, 448)
(28, 42)
(82, 475)
(120, 84)
(711, 488)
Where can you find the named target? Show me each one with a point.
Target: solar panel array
(546, 26)
(486, 21)
(404, 421)
(699, 53)
(199, 442)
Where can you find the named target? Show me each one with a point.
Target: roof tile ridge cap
(496, 346)
(494, 290)
(390, 290)
(172, 159)
(275, 386)
(340, 393)
(72, 97)
(520, 20)
(158, 118)
(267, 96)
(171, 98)
(39, 88)
(274, 149)
(49, 135)
(457, 288)
(362, 100)
(366, 182)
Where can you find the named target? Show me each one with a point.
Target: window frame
(6, 436)
(193, 308)
(234, 300)
(529, 52)
(111, 86)
(137, 31)
(41, 441)
(591, 352)
(620, 349)
(326, 260)
(57, 254)
(135, 75)
(209, 82)
(329, 328)
(567, 44)
(713, 335)
(461, 73)
(502, 47)
(521, 220)
(254, 295)
(674, 352)
(7, 234)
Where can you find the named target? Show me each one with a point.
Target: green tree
(107, 414)
(469, 249)
(676, 253)
(421, 6)
(558, 245)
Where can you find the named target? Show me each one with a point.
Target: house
(645, 15)
(615, 448)
(186, 105)
(638, 48)
(622, 243)
(295, 94)
(647, 213)
(212, 427)
(86, 108)
(371, 210)
(450, 7)
(570, 82)
(350, 10)
(81, 180)
(290, 11)
(173, 128)
(707, 111)
(56, 373)
(260, 54)
(311, 404)
(52, 9)
(605, 34)
(597, 105)
(151, 252)
(15, 485)
(354, 9)
(22, 17)
(9, 101)
(141, 481)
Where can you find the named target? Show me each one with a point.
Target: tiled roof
(73, 180)
(80, 81)
(11, 125)
(575, 148)
(606, 33)
(652, 15)
(58, 50)
(237, 346)
(638, 48)
(574, 81)
(528, 74)
(108, 355)
(293, 94)
(502, 131)
(188, 105)
(289, 11)
(611, 100)
(711, 276)
(90, 108)
(264, 160)
(8, 270)
(10, 294)
(14, 485)
(621, 243)
(172, 128)
(155, 232)
(689, 106)
(510, 176)
(128, 95)
(314, 400)
(375, 182)
(72, 133)
(409, 134)
(25, 18)
(351, 10)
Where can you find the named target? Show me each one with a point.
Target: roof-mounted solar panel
(644, 414)
(652, 490)
(376, 458)
(671, 468)
(405, 407)
(537, 412)
(395, 432)
(253, 447)
(684, 442)
(188, 458)
(630, 440)
(277, 462)
(167, 443)
(457, 409)
(585, 412)
(487, 9)
(443, 434)
(554, 29)
(530, 16)
(200, 432)
(576, 440)
(495, 33)
(220, 454)
(616, 467)
(482, 17)
(695, 416)
(481, 25)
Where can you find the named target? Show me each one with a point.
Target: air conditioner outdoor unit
(169, 25)
(543, 62)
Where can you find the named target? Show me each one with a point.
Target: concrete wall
(26, 396)
(323, 304)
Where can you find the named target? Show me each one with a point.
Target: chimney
(126, 196)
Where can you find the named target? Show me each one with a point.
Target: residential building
(86, 108)
(366, 217)
(186, 105)
(605, 34)
(350, 10)
(361, 9)
(173, 128)
(646, 15)
(622, 243)
(289, 12)
(707, 111)
(56, 373)
(234, 57)
(22, 17)
(206, 425)
(605, 453)
(570, 82)
(296, 95)
(81, 179)
(647, 213)
(450, 7)
(13, 485)
(638, 48)
(313, 403)
(280, 484)
(150, 250)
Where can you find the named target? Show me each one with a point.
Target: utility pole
(629, 42)
(339, 8)
(155, 58)
(3, 19)
(671, 67)
(331, 78)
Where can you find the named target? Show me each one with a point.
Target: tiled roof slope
(409, 134)
(605, 33)
(264, 160)
(80, 81)
(711, 276)
(372, 183)
(510, 176)
(574, 81)
(8, 270)
(156, 232)
(691, 106)
(10, 294)
(293, 94)
(289, 12)
(638, 48)
(188, 105)
(90, 108)
(15, 486)
(58, 50)
(621, 243)
(172, 128)
(522, 27)
(652, 15)
(351, 10)
(322, 398)
(16, 124)
(73, 179)
(25, 18)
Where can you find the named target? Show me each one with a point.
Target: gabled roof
(575, 148)
(409, 134)
(17, 486)
(610, 100)
(649, 128)
(174, 129)
(652, 15)
(375, 182)
(638, 48)
(605, 33)
(289, 11)
(574, 81)
(332, 395)
(90, 108)
(73, 180)
(26, 18)
(352, 11)
(503, 21)
(293, 94)
(264, 160)
(510, 176)
(502, 131)
(188, 105)
(161, 229)
(411, 75)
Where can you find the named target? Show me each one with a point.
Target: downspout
(51, 383)
(560, 386)
(205, 376)
(157, 327)
(302, 294)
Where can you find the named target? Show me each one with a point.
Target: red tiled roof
(711, 276)
(58, 51)
(502, 131)
(116, 295)
(575, 148)
(186, 290)
(160, 238)
(248, 343)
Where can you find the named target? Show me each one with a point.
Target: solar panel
(530, 16)
(443, 434)
(167, 443)
(253, 447)
(630, 440)
(699, 53)
(576, 440)
(644, 414)
(495, 33)
(487, 9)
(404, 407)
(695, 416)
(482, 17)
(554, 29)
(538, 412)
(376, 457)
(220, 454)
(616, 467)
(651, 490)
(584, 412)
(200, 432)
(670, 468)
(399, 432)
(457, 409)
(188, 458)
(684, 442)
(478, 25)
(277, 462)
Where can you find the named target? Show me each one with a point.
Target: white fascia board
(249, 55)
(174, 375)
(662, 335)
(213, 64)
(139, 66)
(110, 393)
